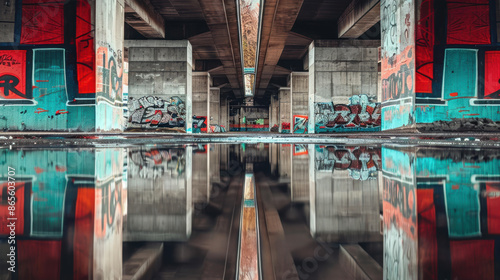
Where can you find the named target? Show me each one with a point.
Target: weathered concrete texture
(347, 210)
(299, 183)
(469, 124)
(274, 111)
(285, 116)
(7, 22)
(214, 109)
(201, 105)
(339, 70)
(161, 69)
(159, 202)
(299, 87)
(144, 263)
(109, 36)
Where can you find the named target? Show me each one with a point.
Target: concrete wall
(160, 84)
(274, 111)
(343, 86)
(224, 112)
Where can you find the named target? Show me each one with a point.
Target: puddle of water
(253, 211)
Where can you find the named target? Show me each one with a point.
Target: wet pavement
(250, 210)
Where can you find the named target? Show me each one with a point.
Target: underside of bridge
(289, 66)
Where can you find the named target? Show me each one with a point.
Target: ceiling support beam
(142, 16)
(358, 17)
(278, 19)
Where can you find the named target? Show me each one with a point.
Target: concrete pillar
(343, 75)
(160, 84)
(224, 112)
(69, 80)
(446, 79)
(274, 112)
(285, 117)
(214, 109)
(201, 102)
(285, 162)
(299, 88)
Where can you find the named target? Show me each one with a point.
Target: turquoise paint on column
(460, 73)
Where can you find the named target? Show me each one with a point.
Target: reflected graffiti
(155, 163)
(362, 162)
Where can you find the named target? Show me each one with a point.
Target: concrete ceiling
(210, 26)
(288, 28)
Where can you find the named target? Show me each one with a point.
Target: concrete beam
(143, 17)
(359, 16)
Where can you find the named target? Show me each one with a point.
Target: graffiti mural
(363, 163)
(49, 67)
(285, 127)
(152, 111)
(362, 114)
(199, 124)
(457, 81)
(215, 128)
(300, 124)
(13, 76)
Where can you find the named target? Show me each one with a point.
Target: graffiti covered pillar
(457, 75)
(343, 79)
(299, 90)
(201, 102)
(285, 110)
(215, 108)
(47, 67)
(160, 85)
(109, 35)
(398, 63)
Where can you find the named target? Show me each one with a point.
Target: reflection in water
(322, 212)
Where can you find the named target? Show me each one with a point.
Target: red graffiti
(61, 112)
(40, 110)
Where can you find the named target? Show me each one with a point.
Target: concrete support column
(299, 90)
(285, 117)
(343, 74)
(224, 112)
(214, 109)
(274, 112)
(201, 102)
(160, 84)
(448, 83)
